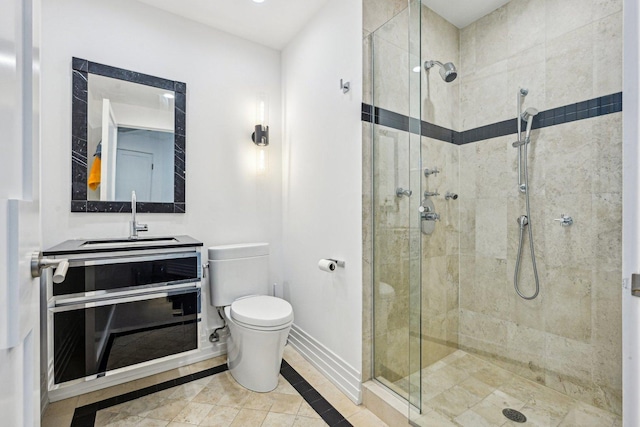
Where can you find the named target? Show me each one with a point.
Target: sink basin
(123, 243)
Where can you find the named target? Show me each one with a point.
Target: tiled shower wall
(569, 338)
(565, 51)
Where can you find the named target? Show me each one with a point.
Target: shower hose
(522, 227)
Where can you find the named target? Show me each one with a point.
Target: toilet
(259, 324)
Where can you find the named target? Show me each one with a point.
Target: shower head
(528, 114)
(448, 71)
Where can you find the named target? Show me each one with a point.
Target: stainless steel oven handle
(126, 299)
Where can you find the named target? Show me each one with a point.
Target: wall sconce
(260, 136)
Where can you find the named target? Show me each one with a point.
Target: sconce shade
(261, 135)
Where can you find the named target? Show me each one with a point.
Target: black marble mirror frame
(79, 158)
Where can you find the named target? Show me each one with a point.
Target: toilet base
(254, 357)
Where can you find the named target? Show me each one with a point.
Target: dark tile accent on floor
(85, 416)
(595, 107)
(327, 412)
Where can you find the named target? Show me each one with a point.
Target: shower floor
(464, 390)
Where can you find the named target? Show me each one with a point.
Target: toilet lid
(262, 310)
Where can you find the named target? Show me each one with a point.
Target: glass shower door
(396, 199)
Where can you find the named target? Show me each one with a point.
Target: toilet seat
(261, 312)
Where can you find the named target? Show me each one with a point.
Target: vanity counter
(82, 246)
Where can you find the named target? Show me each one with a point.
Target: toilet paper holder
(329, 264)
(338, 262)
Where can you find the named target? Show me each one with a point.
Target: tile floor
(214, 401)
(464, 390)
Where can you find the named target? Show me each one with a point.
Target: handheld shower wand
(528, 116)
(524, 221)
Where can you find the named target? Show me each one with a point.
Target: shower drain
(514, 415)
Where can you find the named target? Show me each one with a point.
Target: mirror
(128, 134)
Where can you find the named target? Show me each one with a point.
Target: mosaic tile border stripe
(85, 416)
(595, 107)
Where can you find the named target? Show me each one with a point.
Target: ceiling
(275, 22)
(272, 23)
(463, 12)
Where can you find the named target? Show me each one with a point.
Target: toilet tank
(236, 271)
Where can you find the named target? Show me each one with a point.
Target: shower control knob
(401, 192)
(433, 171)
(565, 220)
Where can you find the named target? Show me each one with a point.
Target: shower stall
(462, 205)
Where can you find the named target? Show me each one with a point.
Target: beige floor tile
(167, 411)
(489, 412)
(286, 403)
(434, 419)
(365, 418)
(139, 406)
(477, 387)
(249, 418)
(220, 416)
(278, 420)
(260, 401)
(469, 418)
(193, 413)
(209, 395)
(308, 422)
(57, 420)
(176, 424)
(503, 400)
(104, 417)
(217, 401)
(453, 402)
(150, 422)
(129, 421)
(187, 391)
(235, 397)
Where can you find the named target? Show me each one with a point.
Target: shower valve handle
(565, 220)
(433, 171)
(401, 192)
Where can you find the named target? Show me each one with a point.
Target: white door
(631, 218)
(109, 149)
(134, 173)
(19, 212)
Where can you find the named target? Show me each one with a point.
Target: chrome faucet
(134, 227)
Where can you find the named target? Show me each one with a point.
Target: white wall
(226, 202)
(322, 178)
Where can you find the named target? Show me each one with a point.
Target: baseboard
(339, 372)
